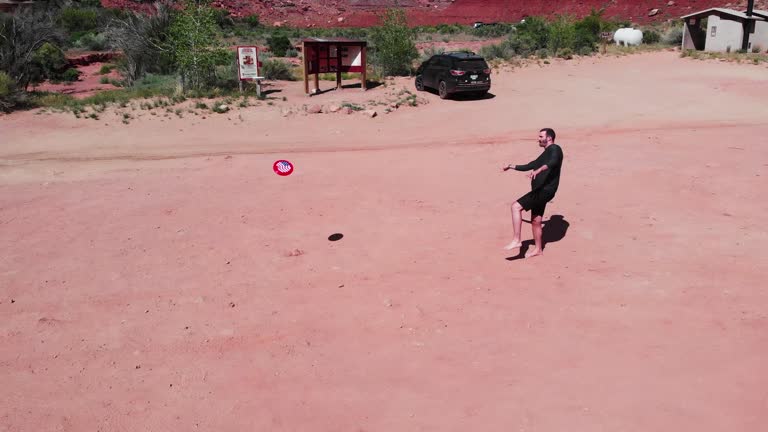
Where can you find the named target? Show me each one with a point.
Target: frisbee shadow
(553, 230)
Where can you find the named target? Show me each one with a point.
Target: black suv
(455, 72)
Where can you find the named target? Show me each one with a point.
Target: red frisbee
(283, 168)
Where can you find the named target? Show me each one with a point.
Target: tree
(394, 50)
(195, 43)
(562, 35)
(143, 41)
(21, 36)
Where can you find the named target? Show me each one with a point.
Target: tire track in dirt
(13, 160)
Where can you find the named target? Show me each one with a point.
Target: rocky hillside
(347, 13)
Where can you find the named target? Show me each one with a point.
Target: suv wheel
(419, 83)
(442, 90)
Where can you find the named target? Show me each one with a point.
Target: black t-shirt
(549, 180)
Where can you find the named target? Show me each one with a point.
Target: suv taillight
(487, 71)
(457, 72)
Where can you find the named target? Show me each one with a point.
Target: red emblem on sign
(283, 168)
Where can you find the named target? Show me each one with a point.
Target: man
(545, 178)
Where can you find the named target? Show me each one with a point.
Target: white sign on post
(248, 63)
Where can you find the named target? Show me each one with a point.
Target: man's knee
(517, 207)
(536, 219)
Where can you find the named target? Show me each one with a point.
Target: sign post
(248, 66)
(605, 37)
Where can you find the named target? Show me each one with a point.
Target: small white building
(726, 30)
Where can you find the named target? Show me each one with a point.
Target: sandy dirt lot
(158, 275)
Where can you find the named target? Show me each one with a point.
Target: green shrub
(278, 44)
(491, 30)
(332, 76)
(497, 51)
(104, 80)
(75, 19)
(585, 51)
(6, 84)
(226, 76)
(252, 21)
(431, 51)
(692, 53)
(223, 18)
(276, 70)
(291, 53)
(8, 93)
(520, 46)
(575, 35)
(105, 69)
(651, 37)
(352, 106)
(588, 32)
(531, 36)
(565, 53)
(393, 48)
(562, 34)
(47, 63)
(93, 42)
(220, 108)
(70, 75)
(448, 28)
(674, 36)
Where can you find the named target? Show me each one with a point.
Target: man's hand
(532, 175)
(508, 167)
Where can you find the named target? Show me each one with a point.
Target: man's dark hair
(550, 133)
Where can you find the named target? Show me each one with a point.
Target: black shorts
(535, 201)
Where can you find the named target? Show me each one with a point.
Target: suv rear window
(471, 64)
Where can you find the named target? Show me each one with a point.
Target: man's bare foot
(534, 252)
(513, 245)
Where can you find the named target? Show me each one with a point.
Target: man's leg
(538, 248)
(517, 226)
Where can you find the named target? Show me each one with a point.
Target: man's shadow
(553, 230)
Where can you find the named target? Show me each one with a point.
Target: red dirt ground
(429, 12)
(88, 84)
(150, 278)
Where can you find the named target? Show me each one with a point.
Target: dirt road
(159, 276)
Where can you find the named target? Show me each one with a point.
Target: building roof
(731, 12)
(333, 40)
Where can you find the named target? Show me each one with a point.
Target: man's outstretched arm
(527, 167)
